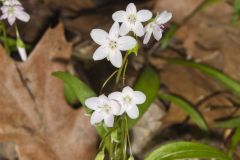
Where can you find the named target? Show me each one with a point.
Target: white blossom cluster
(12, 10)
(112, 43)
(116, 104)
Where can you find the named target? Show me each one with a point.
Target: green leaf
(70, 96)
(186, 107)
(181, 150)
(229, 123)
(224, 79)
(134, 50)
(81, 90)
(148, 83)
(100, 156)
(234, 142)
(236, 12)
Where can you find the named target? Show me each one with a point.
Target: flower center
(10, 10)
(132, 18)
(106, 108)
(127, 99)
(112, 44)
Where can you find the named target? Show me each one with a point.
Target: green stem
(3, 29)
(121, 68)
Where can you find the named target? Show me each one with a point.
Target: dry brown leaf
(33, 111)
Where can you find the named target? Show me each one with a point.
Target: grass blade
(229, 123)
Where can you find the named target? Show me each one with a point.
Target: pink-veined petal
(116, 107)
(96, 117)
(124, 29)
(119, 16)
(109, 120)
(157, 33)
(114, 31)
(132, 111)
(164, 17)
(131, 8)
(138, 29)
(144, 15)
(21, 15)
(147, 37)
(4, 16)
(11, 19)
(116, 58)
(99, 36)
(100, 53)
(92, 103)
(126, 42)
(138, 97)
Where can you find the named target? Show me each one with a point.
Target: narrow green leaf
(224, 79)
(186, 107)
(168, 35)
(229, 123)
(181, 150)
(100, 156)
(234, 142)
(148, 83)
(81, 90)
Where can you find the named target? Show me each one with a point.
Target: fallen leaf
(34, 113)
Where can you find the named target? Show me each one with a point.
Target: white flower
(22, 53)
(111, 44)
(13, 9)
(156, 26)
(131, 19)
(104, 109)
(129, 99)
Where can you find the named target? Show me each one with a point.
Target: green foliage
(186, 107)
(236, 12)
(100, 156)
(234, 142)
(148, 83)
(181, 150)
(69, 94)
(231, 84)
(169, 35)
(81, 90)
(229, 123)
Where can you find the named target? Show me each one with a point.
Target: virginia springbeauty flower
(156, 26)
(13, 9)
(132, 20)
(111, 44)
(129, 99)
(104, 109)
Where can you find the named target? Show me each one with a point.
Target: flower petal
(21, 15)
(144, 15)
(157, 33)
(127, 90)
(114, 31)
(132, 111)
(119, 16)
(131, 8)
(116, 58)
(99, 36)
(126, 42)
(116, 107)
(138, 97)
(109, 120)
(22, 53)
(96, 117)
(138, 29)
(164, 17)
(103, 99)
(100, 53)
(92, 103)
(11, 19)
(124, 29)
(115, 96)
(147, 37)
